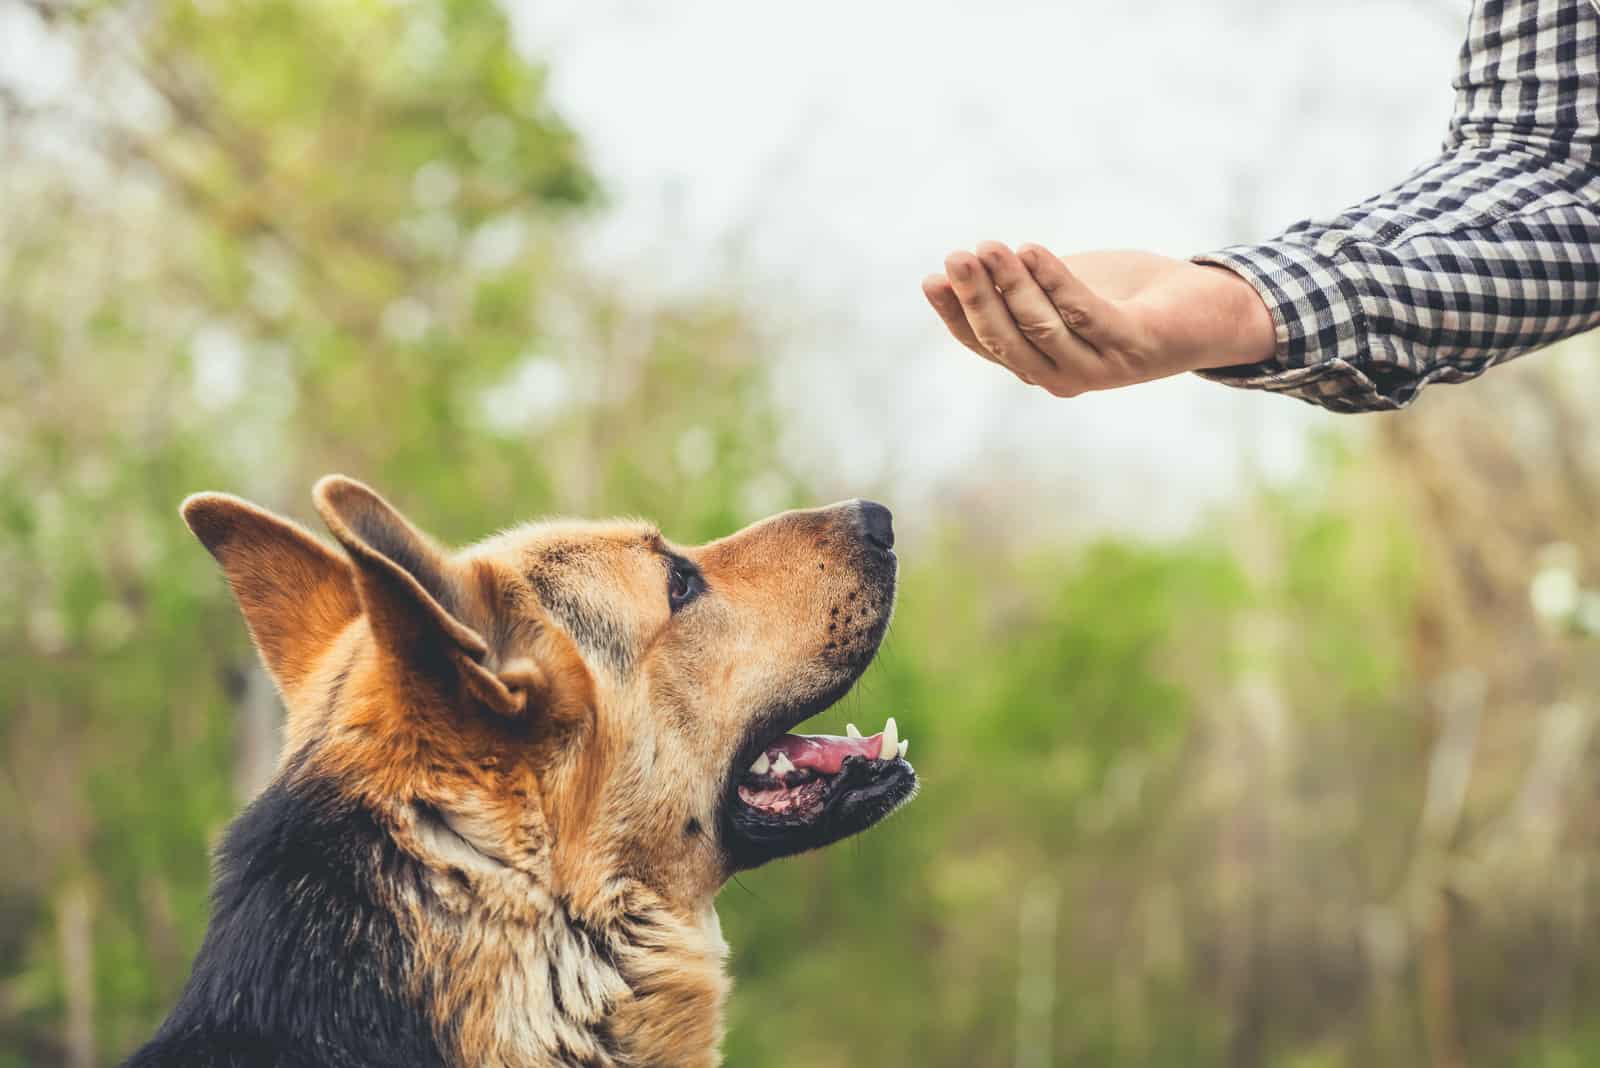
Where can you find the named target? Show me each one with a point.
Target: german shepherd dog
(515, 776)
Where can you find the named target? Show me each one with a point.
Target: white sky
(828, 154)
(825, 156)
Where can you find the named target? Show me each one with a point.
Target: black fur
(597, 634)
(304, 965)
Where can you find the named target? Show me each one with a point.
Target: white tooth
(905, 744)
(761, 765)
(891, 741)
(851, 731)
(783, 765)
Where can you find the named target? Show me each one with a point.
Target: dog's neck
(527, 977)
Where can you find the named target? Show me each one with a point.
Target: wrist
(1246, 333)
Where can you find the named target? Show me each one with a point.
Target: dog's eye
(684, 583)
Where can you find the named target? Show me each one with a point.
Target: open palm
(1098, 320)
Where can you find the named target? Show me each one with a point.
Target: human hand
(1098, 320)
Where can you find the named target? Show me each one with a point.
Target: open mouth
(805, 791)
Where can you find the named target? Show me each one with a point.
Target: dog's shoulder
(208, 1050)
(305, 963)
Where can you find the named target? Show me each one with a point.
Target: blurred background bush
(1309, 782)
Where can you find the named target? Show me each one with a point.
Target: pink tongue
(824, 753)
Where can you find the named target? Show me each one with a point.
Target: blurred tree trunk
(260, 733)
(1449, 778)
(76, 946)
(1037, 917)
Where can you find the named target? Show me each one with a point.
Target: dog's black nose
(877, 524)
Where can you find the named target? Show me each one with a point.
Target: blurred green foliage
(1170, 791)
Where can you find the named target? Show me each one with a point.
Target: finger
(936, 287)
(991, 321)
(1040, 321)
(1093, 319)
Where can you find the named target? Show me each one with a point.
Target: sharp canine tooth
(761, 765)
(851, 731)
(783, 765)
(891, 741)
(905, 743)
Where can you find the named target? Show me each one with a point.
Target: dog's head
(578, 701)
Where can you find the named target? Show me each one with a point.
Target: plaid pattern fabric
(1490, 251)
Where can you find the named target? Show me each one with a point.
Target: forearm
(1232, 311)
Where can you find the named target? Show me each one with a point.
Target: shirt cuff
(1323, 339)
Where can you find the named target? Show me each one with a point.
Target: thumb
(1092, 318)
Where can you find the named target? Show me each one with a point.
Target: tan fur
(545, 775)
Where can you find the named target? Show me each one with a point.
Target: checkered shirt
(1489, 251)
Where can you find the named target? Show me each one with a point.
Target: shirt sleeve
(1489, 251)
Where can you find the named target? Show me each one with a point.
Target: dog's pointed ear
(296, 594)
(413, 599)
